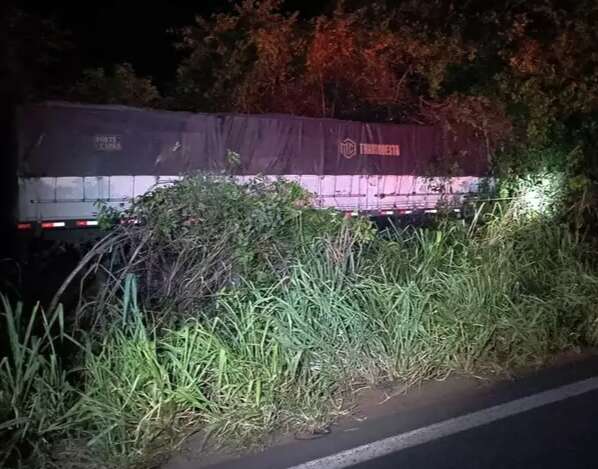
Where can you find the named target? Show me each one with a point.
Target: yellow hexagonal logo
(347, 148)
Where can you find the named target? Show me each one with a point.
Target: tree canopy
(521, 76)
(121, 86)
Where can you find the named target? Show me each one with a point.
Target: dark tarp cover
(61, 139)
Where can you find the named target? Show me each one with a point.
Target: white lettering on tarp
(378, 149)
(107, 143)
(349, 148)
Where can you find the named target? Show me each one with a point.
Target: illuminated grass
(408, 305)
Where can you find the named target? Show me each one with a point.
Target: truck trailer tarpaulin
(72, 155)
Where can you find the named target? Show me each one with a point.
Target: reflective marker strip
(354, 214)
(83, 223)
(388, 212)
(431, 211)
(24, 226)
(53, 224)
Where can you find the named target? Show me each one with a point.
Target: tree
(348, 63)
(239, 61)
(122, 86)
(382, 70)
(32, 51)
(553, 75)
(365, 64)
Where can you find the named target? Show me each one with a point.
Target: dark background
(141, 33)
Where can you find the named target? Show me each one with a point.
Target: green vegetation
(122, 86)
(240, 310)
(516, 76)
(206, 232)
(306, 306)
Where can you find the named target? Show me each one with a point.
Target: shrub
(317, 306)
(207, 232)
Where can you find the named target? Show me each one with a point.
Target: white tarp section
(71, 198)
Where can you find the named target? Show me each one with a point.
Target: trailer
(72, 157)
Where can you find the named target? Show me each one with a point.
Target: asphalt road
(544, 419)
(562, 435)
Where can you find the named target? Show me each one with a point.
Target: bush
(204, 233)
(416, 304)
(337, 306)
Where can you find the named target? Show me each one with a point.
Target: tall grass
(408, 305)
(36, 398)
(419, 304)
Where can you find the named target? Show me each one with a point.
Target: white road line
(448, 427)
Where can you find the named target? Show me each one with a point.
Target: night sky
(110, 31)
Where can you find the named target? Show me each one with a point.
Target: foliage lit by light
(540, 195)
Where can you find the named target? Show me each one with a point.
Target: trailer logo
(107, 143)
(347, 148)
